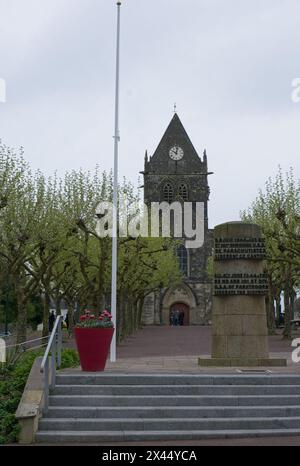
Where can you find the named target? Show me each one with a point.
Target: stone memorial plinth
(239, 321)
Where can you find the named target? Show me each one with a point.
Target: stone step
(90, 412)
(79, 378)
(96, 437)
(183, 424)
(179, 400)
(107, 407)
(174, 390)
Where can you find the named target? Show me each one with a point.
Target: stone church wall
(195, 295)
(190, 171)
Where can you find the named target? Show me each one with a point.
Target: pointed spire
(204, 156)
(146, 159)
(175, 134)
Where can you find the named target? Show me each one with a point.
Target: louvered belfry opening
(183, 192)
(168, 193)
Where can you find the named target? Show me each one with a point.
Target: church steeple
(175, 173)
(175, 153)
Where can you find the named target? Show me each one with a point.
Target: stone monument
(239, 321)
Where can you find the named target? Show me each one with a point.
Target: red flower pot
(93, 346)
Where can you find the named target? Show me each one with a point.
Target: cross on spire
(175, 108)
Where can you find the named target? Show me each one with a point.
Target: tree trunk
(293, 296)
(119, 313)
(46, 314)
(270, 310)
(140, 312)
(278, 307)
(78, 311)
(70, 318)
(135, 315)
(58, 303)
(22, 311)
(100, 303)
(287, 332)
(122, 319)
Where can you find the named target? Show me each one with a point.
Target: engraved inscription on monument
(239, 248)
(240, 284)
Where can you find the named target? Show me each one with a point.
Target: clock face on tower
(176, 153)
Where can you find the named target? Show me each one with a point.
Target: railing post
(54, 346)
(59, 343)
(46, 386)
(53, 363)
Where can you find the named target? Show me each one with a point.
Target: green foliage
(50, 246)
(69, 358)
(35, 311)
(7, 297)
(277, 211)
(12, 382)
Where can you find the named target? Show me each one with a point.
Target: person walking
(172, 318)
(176, 317)
(181, 318)
(51, 321)
(67, 323)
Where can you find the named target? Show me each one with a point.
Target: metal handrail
(26, 342)
(54, 346)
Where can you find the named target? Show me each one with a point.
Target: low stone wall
(31, 404)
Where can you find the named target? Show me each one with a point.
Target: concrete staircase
(106, 407)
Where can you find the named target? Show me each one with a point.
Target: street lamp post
(115, 196)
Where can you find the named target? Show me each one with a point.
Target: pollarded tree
(277, 211)
(21, 205)
(50, 246)
(145, 265)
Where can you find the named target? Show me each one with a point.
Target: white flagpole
(115, 197)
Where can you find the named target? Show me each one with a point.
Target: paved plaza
(176, 349)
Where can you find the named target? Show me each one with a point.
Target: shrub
(69, 358)
(12, 382)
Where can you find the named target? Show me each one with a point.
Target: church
(175, 172)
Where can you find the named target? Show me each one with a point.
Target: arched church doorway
(183, 297)
(181, 308)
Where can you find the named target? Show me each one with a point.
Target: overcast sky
(228, 64)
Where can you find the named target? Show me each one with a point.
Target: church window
(168, 193)
(183, 192)
(183, 259)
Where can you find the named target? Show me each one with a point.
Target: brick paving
(181, 341)
(176, 350)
